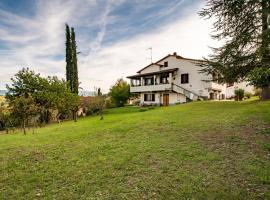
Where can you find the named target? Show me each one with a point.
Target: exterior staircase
(190, 95)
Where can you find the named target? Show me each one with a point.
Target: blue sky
(111, 34)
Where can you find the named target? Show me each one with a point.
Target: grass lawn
(200, 150)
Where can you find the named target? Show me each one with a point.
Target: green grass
(201, 150)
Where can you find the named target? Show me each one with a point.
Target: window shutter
(145, 97)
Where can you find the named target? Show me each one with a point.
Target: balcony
(154, 81)
(151, 88)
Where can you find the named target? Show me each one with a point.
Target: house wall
(243, 85)
(196, 83)
(151, 68)
(174, 98)
(156, 102)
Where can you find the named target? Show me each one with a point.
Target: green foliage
(239, 94)
(96, 105)
(75, 79)
(49, 94)
(120, 93)
(69, 67)
(258, 92)
(248, 95)
(71, 60)
(259, 77)
(23, 110)
(244, 28)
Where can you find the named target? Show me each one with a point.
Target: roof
(153, 73)
(174, 55)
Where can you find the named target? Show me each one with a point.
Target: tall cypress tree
(69, 58)
(244, 26)
(75, 79)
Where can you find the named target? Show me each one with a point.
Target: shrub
(239, 94)
(248, 95)
(96, 105)
(258, 92)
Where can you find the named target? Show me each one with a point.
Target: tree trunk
(265, 93)
(24, 131)
(74, 116)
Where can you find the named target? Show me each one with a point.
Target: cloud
(188, 36)
(112, 35)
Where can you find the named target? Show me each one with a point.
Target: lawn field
(200, 150)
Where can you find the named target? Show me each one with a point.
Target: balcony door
(165, 99)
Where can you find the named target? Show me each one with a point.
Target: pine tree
(75, 79)
(69, 67)
(244, 27)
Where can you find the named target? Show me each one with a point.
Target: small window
(166, 64)
(149, 97)
(184, 78)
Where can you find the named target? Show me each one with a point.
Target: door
(165, 99)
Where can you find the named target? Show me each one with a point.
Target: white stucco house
(175, 79)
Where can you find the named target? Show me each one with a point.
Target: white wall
(157, 99)
(151, 68)
(176, 98)
(196, 83)
(173, 98)
(243, 85)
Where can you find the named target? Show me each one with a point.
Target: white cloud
(34, 42)
(189, 37)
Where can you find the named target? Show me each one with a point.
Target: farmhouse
(175, 79)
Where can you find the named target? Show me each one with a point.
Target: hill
(200, 150)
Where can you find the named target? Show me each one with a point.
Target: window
(166, 64)
(184, 78)
(164, 78)
(149, 97)
(149, 81)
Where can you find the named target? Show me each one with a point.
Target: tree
(75, 79)
(120, 93)
(23, 109)
(49, 94)
(243, 26)
(69, 66)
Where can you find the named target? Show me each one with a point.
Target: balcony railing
(151, 88)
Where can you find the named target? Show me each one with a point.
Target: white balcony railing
(151, 88)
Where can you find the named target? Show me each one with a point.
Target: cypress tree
(68, 58)
(75, 79)
(244, 26)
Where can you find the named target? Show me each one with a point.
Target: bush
(96, 105)
(258, 92)
(239, 94)
(248, 95)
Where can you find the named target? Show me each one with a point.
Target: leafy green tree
(244, 28)
(50, 94)
(75, 79)
(120, 93)
(23, 109)
(69, 67)
(239, 94)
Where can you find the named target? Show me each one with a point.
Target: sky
(112, 35)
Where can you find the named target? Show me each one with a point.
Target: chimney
(175, 54)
